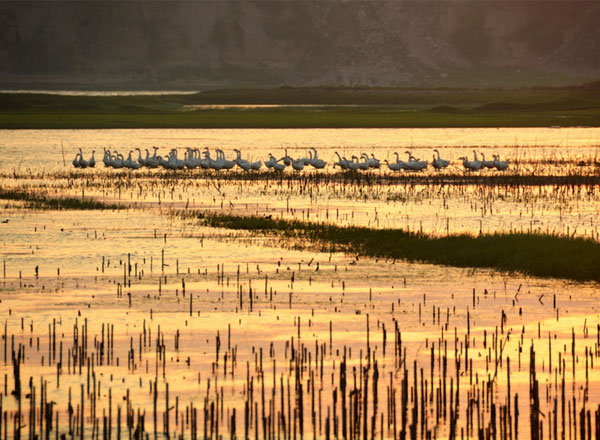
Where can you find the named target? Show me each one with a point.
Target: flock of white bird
(194, 158)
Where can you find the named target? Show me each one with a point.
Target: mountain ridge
(265, 43)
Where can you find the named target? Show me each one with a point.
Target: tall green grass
(37, 201)
(285, 117)
(531, 254)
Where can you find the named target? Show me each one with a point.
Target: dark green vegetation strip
(36, 201)
(531, 254)
(587, 177)
(310, 107)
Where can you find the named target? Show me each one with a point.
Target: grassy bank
(297, 118)
(308, 108)
(530, 254)
(36, 201)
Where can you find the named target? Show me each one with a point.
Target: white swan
(243, 164)
(438, 163)
(106, 159)
(274, 163)
(225, 163)
(297, 164)
(415, 164)
(116, 160)
(398, 165)
(315, 161)
(151, 162)
(174, 161)
(271, 162)
(213, 164)
(256, 165)
(486, 163)
(500, 165)
(189, 160)
(163, 163)
(82, 162)
(199, 160)
(76, 160)
(307, 160)
(476, 161)
(393, 166)
(352, 164)
(130, 163)
(92, 162)
(140, 159)
(470, 165)
(361, 165)
(372, 161)
(342, 163)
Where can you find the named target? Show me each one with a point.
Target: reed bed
(145, 323)
(439, 207)
(531, 254)
(38, 201)
(233, 351)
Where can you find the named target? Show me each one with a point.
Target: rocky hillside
(222, 43)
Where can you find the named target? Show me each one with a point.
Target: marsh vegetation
(335, 305)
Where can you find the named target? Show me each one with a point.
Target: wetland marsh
(129, 313)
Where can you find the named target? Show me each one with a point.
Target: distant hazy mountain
(220, 43)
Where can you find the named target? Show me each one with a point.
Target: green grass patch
(36, 201)
(356, 117)
(316, 107)
(531, 254)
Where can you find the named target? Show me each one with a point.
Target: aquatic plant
(541, 255)
(38, 201)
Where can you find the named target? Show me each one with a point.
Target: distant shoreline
(311, 107)
(75, 92)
